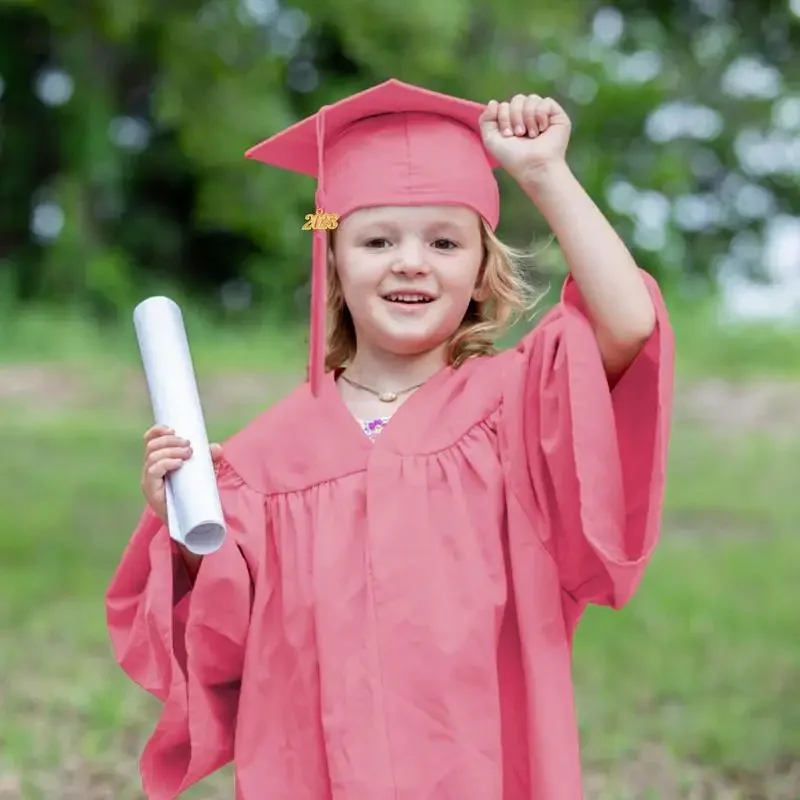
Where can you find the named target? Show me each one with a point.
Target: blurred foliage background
(123, 127)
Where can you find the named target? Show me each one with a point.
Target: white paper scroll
(194, 512)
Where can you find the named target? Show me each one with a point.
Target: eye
(444, 244)
(376, 244)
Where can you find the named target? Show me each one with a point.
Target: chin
(412, 348)
(412, 344)
(409, 337)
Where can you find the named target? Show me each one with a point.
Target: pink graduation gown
(393, 620)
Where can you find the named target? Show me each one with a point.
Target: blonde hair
(503, 292)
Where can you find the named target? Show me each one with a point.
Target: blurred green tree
(123, 127)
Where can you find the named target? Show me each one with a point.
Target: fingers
(524, 115)
(517, 117)
(165, 455)
(160, 438)
(490, 112)
(163, 443)
(171, 453)
(516, 114)
(526, 121)
(546, 112)
(158, 470)
(156, 431)
(531, 120)
(504, 119)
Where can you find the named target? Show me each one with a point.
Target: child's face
(408, 274)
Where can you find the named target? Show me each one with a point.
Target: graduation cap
(394, 144)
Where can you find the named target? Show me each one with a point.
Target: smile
(408, 298)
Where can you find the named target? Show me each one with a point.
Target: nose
(410, 258)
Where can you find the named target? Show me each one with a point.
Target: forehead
(454, 216)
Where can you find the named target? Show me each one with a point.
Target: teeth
(407, 298)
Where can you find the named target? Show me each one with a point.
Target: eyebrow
(375, 230)
(449, 227)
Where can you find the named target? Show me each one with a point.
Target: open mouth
(408, 299)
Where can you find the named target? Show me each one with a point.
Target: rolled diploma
(194, 511)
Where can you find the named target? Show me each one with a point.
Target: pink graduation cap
(392, 145)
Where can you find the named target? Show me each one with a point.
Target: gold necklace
(384, 397)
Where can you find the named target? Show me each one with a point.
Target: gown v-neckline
(395, 421)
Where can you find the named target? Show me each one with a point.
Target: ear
(481, 291)
(480, 294)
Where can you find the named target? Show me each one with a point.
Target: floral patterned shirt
(373, 427)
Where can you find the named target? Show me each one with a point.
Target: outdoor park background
(122, 129)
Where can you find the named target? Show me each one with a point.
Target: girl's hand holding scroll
(165, 452)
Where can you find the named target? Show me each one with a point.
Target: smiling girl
(414, 533)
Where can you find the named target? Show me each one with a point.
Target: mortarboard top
(394, 144)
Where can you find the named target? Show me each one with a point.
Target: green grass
(703, 665)
(39, 335)
(707, 347)
(704, 661)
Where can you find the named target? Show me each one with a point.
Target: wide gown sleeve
(183, 642)
(587, 462)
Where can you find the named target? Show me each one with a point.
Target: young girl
(413, 534)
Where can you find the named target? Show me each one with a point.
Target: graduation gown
(392, 620)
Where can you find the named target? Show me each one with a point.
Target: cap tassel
(319, 305)
(317, 344)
